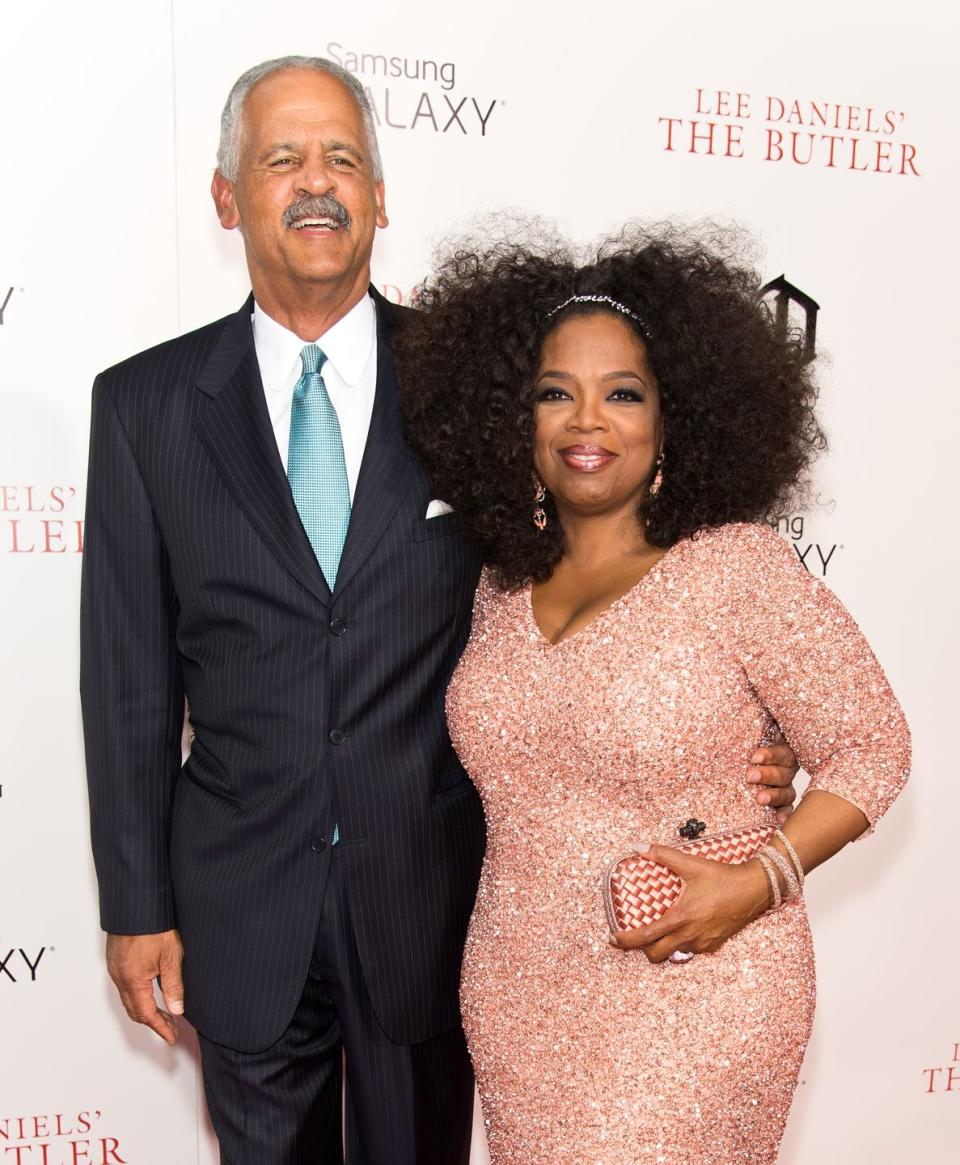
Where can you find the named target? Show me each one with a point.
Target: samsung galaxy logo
(428, 104)
(406, 68)
(19, 966)
(6, 294)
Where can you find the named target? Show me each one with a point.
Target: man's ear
(223, 199)
(382, 220)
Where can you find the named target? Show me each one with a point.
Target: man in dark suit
(261, 541)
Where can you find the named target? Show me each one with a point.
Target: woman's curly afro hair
(736, 396)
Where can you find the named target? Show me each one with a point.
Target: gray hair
(231, 120)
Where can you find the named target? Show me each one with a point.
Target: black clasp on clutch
(692, 828)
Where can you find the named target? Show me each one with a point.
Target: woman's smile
(587, 458)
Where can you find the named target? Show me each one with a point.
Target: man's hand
(772, 769)
(134, 961)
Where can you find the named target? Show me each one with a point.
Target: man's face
(304, 151)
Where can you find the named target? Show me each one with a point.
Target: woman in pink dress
(614, 436)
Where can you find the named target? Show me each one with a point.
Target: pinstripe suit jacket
(309, 707)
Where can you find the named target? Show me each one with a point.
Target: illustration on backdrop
(794, 313)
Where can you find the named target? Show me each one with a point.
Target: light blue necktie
(317, 470)
(316, 466)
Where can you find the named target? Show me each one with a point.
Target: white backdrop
(589, 115)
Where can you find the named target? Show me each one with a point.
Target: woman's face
(597, 416)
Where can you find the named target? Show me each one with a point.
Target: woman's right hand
(717, 900)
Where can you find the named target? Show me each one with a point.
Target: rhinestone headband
(604, 299)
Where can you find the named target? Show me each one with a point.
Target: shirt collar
(347, 345)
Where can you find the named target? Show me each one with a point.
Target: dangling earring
(657, 477)
(540, 514)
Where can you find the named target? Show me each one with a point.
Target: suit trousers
(405, 1104)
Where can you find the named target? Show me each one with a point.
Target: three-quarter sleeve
(811, 666)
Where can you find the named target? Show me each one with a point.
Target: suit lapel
(388, 468)
(234, 426)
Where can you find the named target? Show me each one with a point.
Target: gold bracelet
(791, 854)
(791, 885)
(768, 869)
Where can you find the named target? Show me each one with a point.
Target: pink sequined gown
(585, 1054)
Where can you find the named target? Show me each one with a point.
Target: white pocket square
(437, 507)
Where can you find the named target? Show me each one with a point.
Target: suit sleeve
(130, 684)
(811, 666)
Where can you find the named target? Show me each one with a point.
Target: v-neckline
(601, 615)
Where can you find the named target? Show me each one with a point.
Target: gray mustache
(323, 206)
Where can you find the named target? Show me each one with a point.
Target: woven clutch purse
(638, 891)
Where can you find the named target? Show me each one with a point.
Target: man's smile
(315, 223)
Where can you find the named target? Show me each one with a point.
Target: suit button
(337, 736)
(337, 626)
(318, 845)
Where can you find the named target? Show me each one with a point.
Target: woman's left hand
(716, 901)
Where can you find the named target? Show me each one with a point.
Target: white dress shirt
(349, 372)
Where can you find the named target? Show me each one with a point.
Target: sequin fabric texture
(586, 1054)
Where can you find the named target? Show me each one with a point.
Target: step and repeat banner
(829, 130)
